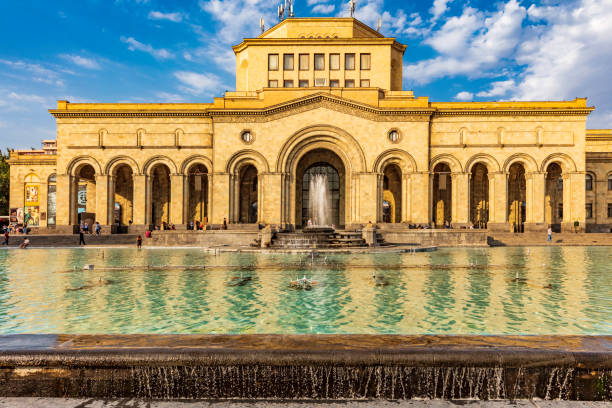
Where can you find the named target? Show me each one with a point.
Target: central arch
(320, 166)
(348, 160)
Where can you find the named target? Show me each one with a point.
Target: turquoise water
(560, 290)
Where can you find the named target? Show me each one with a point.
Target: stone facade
(397, 158)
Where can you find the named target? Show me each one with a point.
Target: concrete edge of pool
(306, 367)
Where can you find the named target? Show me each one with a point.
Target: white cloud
(199, 84)
(498, 88)
(169, 97)
(36, 72)
(465, 96)
(27, 98)
(137, 45)
(239, 18)
(323, 8)
(158, 15)
(471, 44)
(438, 8)
(313, 2)
(81, 61)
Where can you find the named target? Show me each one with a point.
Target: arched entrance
(392, 194)
(197, 179)
(554, 197)
(160, 194)
(84, 197)
(442, 195)
(479, 195)
(247, 196)
(123, 202)
(320, 189)
(517, 202)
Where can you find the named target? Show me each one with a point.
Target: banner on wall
(13, 216)
(20, 215)
(31, 194)
(31, 216)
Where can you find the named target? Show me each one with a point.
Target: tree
(4, 183)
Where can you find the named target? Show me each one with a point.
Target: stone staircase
(320, 238)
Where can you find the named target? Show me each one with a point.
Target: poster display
(31, 211)
(13, 216)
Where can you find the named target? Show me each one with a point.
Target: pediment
(321, 100)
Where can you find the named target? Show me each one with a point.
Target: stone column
(420, 197)
(498, 202)
(535, 193)
(177, 197)
(460, 199)
(43, 191)
(406, 207)
(220, 198)
(63, 203)
(573, 201)
(102, 199)
(140, 199)
(368, 198)
(271, 204)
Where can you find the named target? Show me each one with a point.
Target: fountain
(320, 201)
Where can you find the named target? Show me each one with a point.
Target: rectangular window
(288, 62)
(304, 66)
(589, 210)
(334, 62)
(560, 211)
(319, 62)
(303, 83)
(288, 83)
(334, 83)
(609, 210)
(365, 83)
(349, 83)
(349, 62)
(610, 183)
(273, 83)
(364, 62)
(273, 62)
(588, 182)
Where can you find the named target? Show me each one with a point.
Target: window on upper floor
(588, 182)
(304, 62)
(364, 63)
(288, 83)
(609, 210)
(273, 62)
(303, 83)
(609, 182)
(349, 83)
(334, 62)
(365, 83)
(288, 62)
(319, 62)
(349, 62)
(334, 83)
(320, 81)
(273, 83)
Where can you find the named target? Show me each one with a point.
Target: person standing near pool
(549, 231)
(139, 242)
(81, 237)
(6, 237)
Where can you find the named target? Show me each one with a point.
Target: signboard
(13, 216)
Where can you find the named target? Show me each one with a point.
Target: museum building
(319, 96)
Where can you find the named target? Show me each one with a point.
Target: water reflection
(558, 290)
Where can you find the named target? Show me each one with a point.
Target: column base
(499, 227)
(535, 227)
(460, 225)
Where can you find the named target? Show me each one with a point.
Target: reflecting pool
(540, 290)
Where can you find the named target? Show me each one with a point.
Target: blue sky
(180, 51)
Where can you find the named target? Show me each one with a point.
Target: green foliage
(4, 183)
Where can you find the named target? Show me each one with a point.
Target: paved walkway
(131, 403)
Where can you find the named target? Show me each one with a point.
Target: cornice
(62, 114)
(514, 112)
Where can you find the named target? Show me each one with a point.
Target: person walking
(139, 242)
(6, 237)
(98, 228)
(81, 237)
(549, 232)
